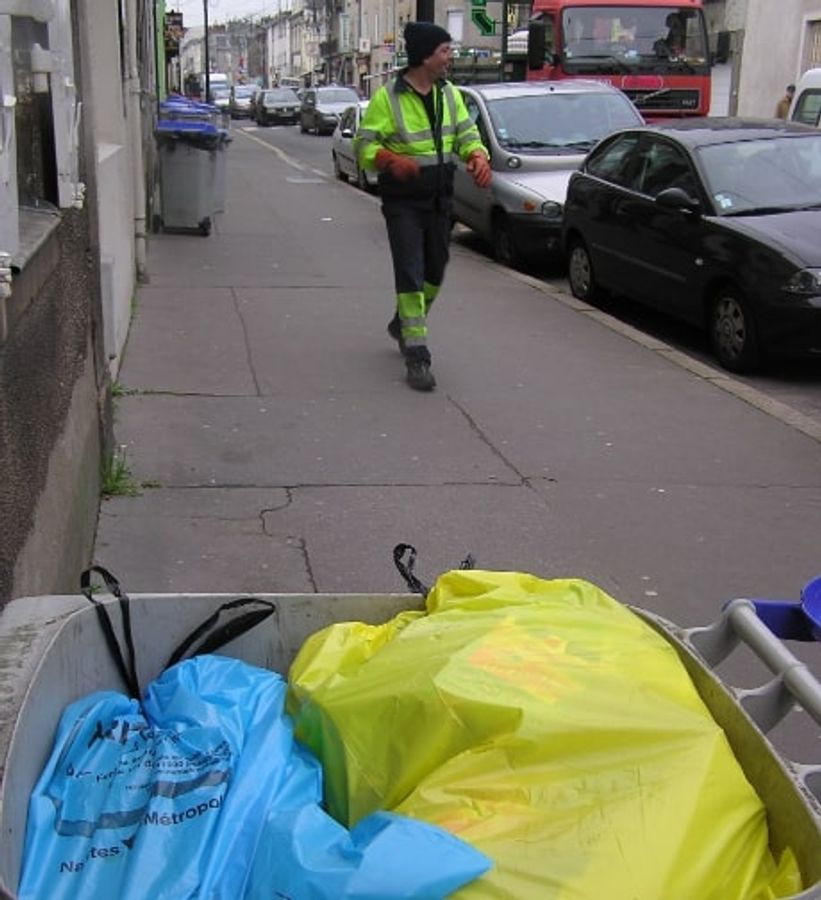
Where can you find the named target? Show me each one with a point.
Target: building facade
(76, 82)
(787, 35)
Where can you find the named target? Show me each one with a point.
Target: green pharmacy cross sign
(480, 18)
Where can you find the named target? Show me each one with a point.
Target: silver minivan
(537, 133)
(806, 104)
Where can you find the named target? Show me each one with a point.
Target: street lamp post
(206, 55)
(504, 40)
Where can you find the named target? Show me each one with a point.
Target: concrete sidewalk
(267, 406)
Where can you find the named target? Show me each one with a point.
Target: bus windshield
(600, 39)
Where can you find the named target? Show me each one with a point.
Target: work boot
(395, 331)
(419, 375)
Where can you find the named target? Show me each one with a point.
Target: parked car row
(537, 135)
(346, 165)
(322, 107)
(241, 104)
(277, 106)
(317, 109)
(713, 221)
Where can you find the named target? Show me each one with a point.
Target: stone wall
(50, 415)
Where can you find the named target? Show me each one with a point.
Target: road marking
(280, 153)
(302, 168)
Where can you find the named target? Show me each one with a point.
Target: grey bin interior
(53, 653)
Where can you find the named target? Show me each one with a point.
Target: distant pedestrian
(413, 130)
(782, 109)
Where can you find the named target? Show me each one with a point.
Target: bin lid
(186, 127)
(811, 604)
(183, 103)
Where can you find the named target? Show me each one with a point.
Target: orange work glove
(401, 167)
(479, 168)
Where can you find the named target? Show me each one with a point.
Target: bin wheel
(205, 227)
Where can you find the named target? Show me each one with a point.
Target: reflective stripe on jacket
(396, 120)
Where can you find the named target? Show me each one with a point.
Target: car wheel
(733, 332)
(580, 272)
(337, 171)
(505, 250)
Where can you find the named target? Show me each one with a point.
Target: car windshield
(337, 95)
(220, 93)
(763, 175)
(244, 90)
(630, 38)
(559, 122)
(284, 95)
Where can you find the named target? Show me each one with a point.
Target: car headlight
(807, 281)
(551, 209)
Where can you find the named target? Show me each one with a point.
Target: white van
(806, 104)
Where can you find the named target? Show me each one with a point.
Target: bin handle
(793, 682)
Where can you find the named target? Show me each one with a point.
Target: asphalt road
(796, 383)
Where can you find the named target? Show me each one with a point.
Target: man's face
(438, 62)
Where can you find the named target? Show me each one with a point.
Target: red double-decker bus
(654, 51)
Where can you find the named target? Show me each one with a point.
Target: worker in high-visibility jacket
(413, 130)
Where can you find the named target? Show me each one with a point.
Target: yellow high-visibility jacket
(396, 120)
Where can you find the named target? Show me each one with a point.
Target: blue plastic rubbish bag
(203, 792)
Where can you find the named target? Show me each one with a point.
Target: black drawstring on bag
(205, 638)
(225, 633)
(126, 667)
(406, 568)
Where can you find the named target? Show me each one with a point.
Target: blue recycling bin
(184, 109)
(188, 150)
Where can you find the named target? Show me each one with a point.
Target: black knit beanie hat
(422, 39)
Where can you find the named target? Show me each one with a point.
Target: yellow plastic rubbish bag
(550, 727)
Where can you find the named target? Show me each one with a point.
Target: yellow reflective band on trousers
(430, 291)
(411, 307)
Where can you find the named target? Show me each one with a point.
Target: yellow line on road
(280, 153)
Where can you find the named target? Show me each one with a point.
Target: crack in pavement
(248, 354)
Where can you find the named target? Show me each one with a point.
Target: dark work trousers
(419, 236)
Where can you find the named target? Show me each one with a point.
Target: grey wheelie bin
(188, 152)
(181, 109)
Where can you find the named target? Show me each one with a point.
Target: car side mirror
(677, 198)
(346, 133)
(536, 43)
